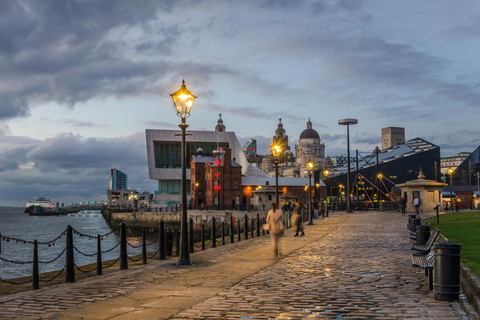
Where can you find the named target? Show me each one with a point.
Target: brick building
(215, 181)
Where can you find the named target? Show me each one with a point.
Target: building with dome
(310, 148)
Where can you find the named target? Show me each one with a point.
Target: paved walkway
(348, 266)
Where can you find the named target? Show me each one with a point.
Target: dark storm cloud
(65, 52)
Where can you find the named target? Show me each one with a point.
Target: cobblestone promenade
(348, 266)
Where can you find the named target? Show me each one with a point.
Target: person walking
(403, 204)
(276, 227)
(416, 203)
(298, 218)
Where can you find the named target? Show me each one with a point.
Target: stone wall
(151, 219)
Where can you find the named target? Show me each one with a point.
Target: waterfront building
(164, 158)
(341, 160)
(118, 180)
(452, 162)
(395, 165)
(309, 148)
(215, 181)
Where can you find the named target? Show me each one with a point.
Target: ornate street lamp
(276, 151)
(326, 173)
(183, 101)
(310, 166)
(450, 171)
(348, 123)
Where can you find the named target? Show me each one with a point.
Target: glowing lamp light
(217, 188)
(183, 101)
(310, 165)
(217, 174)
(218, 162)
(276, 150)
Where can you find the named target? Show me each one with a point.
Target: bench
(427, 261)
(425, 248)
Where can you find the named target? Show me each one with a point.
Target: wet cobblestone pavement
(348, 266)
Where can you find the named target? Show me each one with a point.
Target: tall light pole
(276, 151)
(310, 166)
(183, 101)
(348, 122)
(450, 171)
(328, 183)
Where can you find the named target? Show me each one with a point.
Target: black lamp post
(348, 122)
(450, 171)
(310, 166)
(183, 100)
(328, 183)
(276, 151)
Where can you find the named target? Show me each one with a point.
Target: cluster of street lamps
(183, 101)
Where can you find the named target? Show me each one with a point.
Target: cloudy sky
(80, 81)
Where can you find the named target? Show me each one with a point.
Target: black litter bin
(415, 222)
(168, 241)
(446, 285)
(423, 233)
(410, 218)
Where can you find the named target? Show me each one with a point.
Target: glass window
(168, 153)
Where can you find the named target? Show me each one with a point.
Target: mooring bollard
(162, 253)
(123, 247)
(144, 248)
(177, 241)
(239, 230)
(191, 239)
(252, 228)
(258, 224)
(35, 274)
(214, 233)
(99, 255)
(447, 272)
(232, 233)
(245, 227)
(223, 233)
(203, 236)
(69, 256)
(438, 214)
(263, 222)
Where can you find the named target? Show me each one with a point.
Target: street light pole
(450, 170)
(348, 122)
(276, 151)
(183, 101)
(310, 166)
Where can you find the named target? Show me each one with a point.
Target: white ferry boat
(41, 206)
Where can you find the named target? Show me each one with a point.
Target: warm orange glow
(276, 150)
(183, 101)
(310, 165)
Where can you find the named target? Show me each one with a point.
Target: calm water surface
(14, 223)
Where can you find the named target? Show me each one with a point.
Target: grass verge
(463, 228)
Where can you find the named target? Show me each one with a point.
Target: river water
(14, 223)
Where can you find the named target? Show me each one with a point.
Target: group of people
(276, 227)
(415, 202)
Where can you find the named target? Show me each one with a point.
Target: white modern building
(164, 157)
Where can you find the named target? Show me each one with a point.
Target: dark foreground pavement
(348, 266)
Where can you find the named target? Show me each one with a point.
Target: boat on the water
(41, 207)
